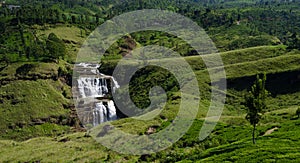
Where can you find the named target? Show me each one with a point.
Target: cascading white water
(103, 113)
(112, 114)
(99, 114)
(116, 85)
(92, 85)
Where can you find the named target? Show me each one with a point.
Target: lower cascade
(103, 113)
(92, 91)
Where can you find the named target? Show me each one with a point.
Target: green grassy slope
(37, 116)
(32, 94)
(48, 96)
(226, 143)
(241, 66)
(35, 97)
(72, 36)
(280, 146)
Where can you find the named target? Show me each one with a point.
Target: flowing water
(93, 90)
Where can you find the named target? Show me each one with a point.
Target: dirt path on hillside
(270, 131)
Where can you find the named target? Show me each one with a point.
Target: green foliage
(55, 46)
(147, 78)
(34, 97)
(268, 148)
(32, 101)
(293, 41)
(256, 102)
(226, 143)
(230, 25)
(298, 112)
(46, 129)
(24, 69)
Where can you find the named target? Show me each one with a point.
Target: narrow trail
(270, 131)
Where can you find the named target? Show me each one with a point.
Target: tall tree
(256, 102)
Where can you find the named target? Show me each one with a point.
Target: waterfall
(91, 84)
(112, 111)
(103, 113)
(116, 85)
(92, 87)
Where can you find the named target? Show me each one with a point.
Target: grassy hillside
(71, 35)
(227, 143)
(230, 141)
(33, 94)
(38, 121)
(280, 146)
(44, 86)
(241, 66)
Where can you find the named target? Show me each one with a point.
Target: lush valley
(39, 43)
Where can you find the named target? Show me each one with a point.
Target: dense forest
(260, 23)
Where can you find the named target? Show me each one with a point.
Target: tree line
(277, 19)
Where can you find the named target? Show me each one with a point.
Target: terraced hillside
(228, 142)
(39, 43)
(230, 138)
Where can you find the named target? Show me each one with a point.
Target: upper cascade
(91, 83)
